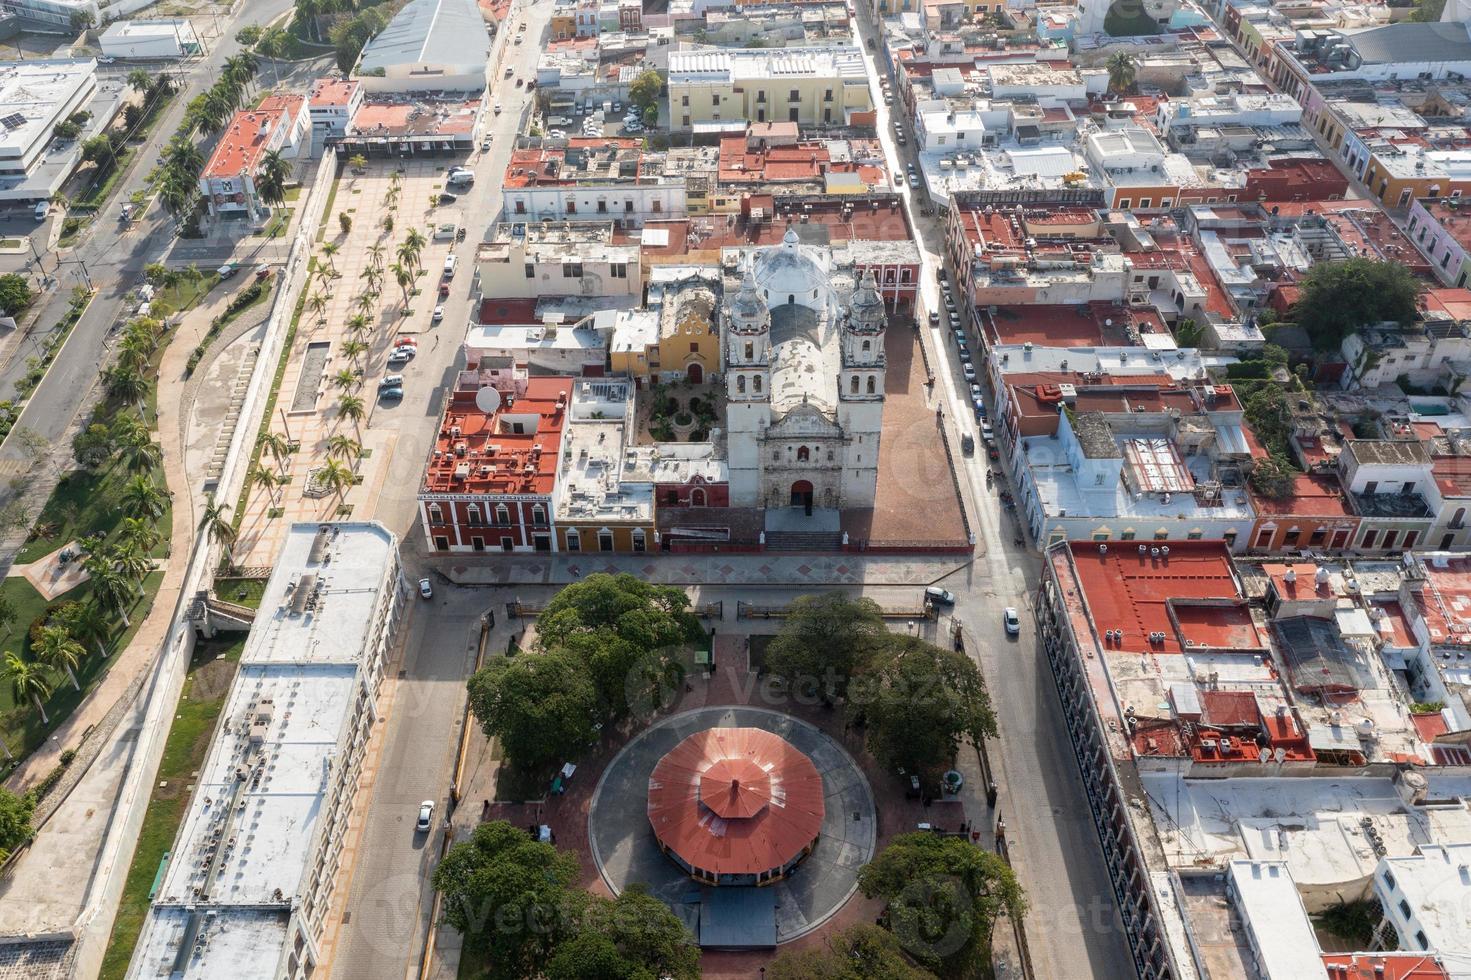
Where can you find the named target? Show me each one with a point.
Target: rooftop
(429, 33)
(252, 823)
(509, 450)
(248, 135)
(741, 65)
(333, 91)
(386, 115)
(31, 90)
(592, 484)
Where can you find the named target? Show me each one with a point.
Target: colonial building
(804, 378)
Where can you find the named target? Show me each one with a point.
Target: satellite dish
(487, 399)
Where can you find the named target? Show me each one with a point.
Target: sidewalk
(769, 569)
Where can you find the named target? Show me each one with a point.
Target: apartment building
(587, 179)
(712, 90)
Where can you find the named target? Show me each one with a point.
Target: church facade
(804, 376)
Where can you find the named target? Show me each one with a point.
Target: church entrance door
(802, 496)
(695, 373)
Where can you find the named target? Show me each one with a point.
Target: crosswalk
(14, 467)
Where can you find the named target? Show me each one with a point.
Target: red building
(489, 480)
(1297, 179)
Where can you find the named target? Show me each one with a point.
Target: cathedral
(804, 375)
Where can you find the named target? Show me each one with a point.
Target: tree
(825, 640)
(919, 701)
(139, 80)
(1121, 72)
(249, 34)
(127, 384)
(112, 589)
(341, 447)
(7, 612)
(542, 708)
(357, 162)
(1188, 333)
(15, 821)
(329, 252)
(351, 407)
(1427, 11)
(98, 150)
(136, 532)
(57, 649)
(644, 90)
(267, 480)
(1267, 412)
(1273, 477)
(28, 682)
(353, 350)
(506, 895)
(270, 182)
(276, 446)
(1340, 297)
(215, 522)
(275, 42)
(140, 455)
(347, 380)
(943, 896)
(141, 497)
(861, 952)
(631, 637)
(404, 278)
(86, 622)
(335, 477)
(66, 130)
(633, 936)
(15, 293)
(318, 305)
(344, 221)
(375, 255)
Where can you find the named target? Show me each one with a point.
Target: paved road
(1073, 927)
(113, 258)
(389, 896)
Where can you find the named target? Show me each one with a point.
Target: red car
(406, 342)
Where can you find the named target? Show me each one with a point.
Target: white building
(332, 103)
(34, 97)
(804, 379)
(248, 891)
(61, 13)
(1278, 932)
(150, 39)
(1425, 898)
(430, 46)
(277, 125)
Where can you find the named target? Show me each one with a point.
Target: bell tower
(747, 386)
(861, 391)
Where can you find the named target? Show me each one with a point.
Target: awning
(720, 126)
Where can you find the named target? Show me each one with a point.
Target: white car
(426, 591)
(1012, 621)
(426, 816)
(485, 145)
(939, 596)
(497, 108)
(438, 314)
(400, 354)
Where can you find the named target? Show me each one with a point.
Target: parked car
(939, 596)
(390, 394)
(226, 271)
(497, 108)
(510, 70)
(1012, 620)
(426, 816)
(426, 591)
(449, 267)
(987, 432)
(406, 341)
(401, 355)
(967, 444)
(975, 393)
(968, 370)
(485, 145)
(447, 198)
(438, 314)
(914, 180)
(934, 318)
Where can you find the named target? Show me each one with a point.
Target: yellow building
(677, 340)
(724, 89)
(1400, 174)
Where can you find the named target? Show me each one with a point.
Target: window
(760, 95)
(686, 121)
(867, 346)
(571, 206)
(628, 205)
(638, 539)
(538, 514)
(1125, 203)
(715, 99)
(1161, 535)
(1145, 202)
(802, 453)
(620, 270)
(671, 498)
(1100, 535)
(436, 515)
(697, 497)
(1404, 908)
(1195, 535)
(741, 384)
(684, 101)
(1389, 879)
(507, 544)
(904, 275)
(1420, 939)
(827, 96)
(472, 516)
(756, 384)
(1459, 518)
(531, 270)
(602, 205)
(853, 388)
(574, 540)
(1127, 535)
(1409, 541)
(655, 205)
(1372, 487)
(1368, 542)
(750, 351)
(870, 384)
(605, 540)
(1408, 488)
(520, 206)
(502, 514)
(796, 96)
(694, 346)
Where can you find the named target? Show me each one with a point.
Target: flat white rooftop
(1437, 884)
(249, 832)
(1273, 912)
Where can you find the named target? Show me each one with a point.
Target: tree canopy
(920, 700)
(516, 903)
(506, 894)
(943, 896)
(15, 293)
(644, 90)
(825, 640)
(542, 707)
(862, 952)
(15, 821)
(1340, 297)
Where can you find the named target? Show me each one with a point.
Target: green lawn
(101, 190)
(243, 591)
(84, 503)
(9, 243)
(210, 674)
(277, 225)
(183, 294)
(21, 726)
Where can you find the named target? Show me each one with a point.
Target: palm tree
(277, 446)
(335, 477)
(353, 349)
(127, 384)
(347, 380)
(267, 480)
(351, 407)
(375, 255)
(328, 250)
(110, 587)
(324, 278)
(140, 455)
(318, 305)
(139, 80)
(357, 162)
(270, 182)
(406, 256)
(341, 447)
(415, 239)
(365, 301)
(133, 563)
(127, 427)
(56, 647)
(241, 69)
(216, 523)
(356, 324)
(138, 533)
(141, 498)
(27, 680)
(1120, 71)
(87, 622)
(404, 278)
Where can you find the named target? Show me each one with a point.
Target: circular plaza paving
(625, 849)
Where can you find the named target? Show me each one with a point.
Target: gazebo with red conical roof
(736, 806)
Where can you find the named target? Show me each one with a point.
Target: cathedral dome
(792, 273)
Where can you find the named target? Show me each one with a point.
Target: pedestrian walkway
(49, 575)
(715, 570)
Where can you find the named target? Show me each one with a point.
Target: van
(449, 267)
(43, 208)
(461, 177)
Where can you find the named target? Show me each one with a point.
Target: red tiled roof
(1395, 966)
(1133, 593)
(520, 312)
(1452, 474)
(1312, 495)
(246, 137)
(485, 454)
(333, 91)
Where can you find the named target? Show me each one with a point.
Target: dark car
(447, 198)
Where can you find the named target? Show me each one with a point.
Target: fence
(749, 610)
